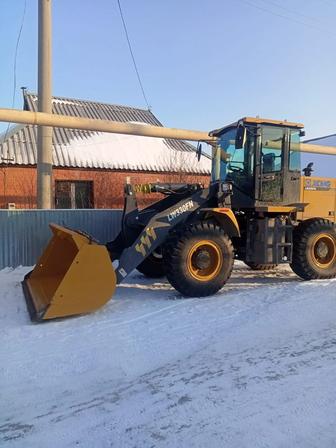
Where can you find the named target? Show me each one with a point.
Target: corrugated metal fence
(24, 233)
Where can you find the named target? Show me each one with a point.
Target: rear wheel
(199, 260)
(261, 267)
(314, 251)
(153, 266)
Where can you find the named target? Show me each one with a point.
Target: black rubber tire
(152, 267)
(304, 263)
(260, 267)
(176, 252)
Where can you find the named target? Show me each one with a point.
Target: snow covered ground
(253, 366)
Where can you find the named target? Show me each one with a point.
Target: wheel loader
(257, 208)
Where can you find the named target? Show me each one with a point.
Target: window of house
(73, 194)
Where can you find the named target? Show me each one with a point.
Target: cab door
(271, 163)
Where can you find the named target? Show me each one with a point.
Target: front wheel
(199, 259)
(314, 250)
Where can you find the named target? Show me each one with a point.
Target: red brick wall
(18, 184)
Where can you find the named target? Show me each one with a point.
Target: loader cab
(261, 159)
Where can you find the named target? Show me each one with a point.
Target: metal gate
(24, 233)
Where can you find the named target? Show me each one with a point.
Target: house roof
(89, 149)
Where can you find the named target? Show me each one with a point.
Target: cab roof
(256, 120)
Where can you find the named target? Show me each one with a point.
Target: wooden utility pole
(44, 133)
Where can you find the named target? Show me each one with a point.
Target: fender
(226, 219)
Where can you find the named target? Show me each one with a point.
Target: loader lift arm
(143, 232)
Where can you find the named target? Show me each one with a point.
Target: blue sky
(203, 63)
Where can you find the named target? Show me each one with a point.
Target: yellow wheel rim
(323, 250)
(205, 260)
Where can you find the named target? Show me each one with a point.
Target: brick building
(90, 168)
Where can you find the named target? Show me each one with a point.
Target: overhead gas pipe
(115, 127)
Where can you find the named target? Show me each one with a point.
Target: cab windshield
(237, 165)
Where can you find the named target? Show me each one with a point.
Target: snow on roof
(128, 152)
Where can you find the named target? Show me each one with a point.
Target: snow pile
(253, 366)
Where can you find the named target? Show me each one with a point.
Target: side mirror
(308, 170)
(240, 137)
(199, 151)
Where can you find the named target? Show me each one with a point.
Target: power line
(269, 11)
(292, 11)
(132, 55)
(15, 66)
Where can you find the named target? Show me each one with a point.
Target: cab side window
(272, 143)
(294, 151)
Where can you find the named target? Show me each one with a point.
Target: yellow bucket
(73, 276)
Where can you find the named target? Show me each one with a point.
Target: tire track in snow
(211, 377)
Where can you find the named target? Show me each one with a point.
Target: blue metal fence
(24, 233)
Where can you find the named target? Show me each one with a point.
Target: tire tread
(301, 264)
(173, 254)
